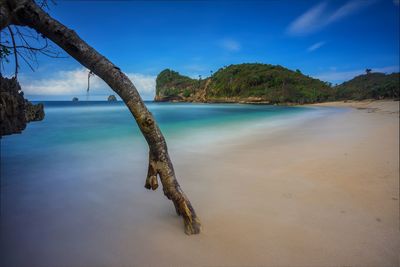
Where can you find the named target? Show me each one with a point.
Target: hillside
(371, 85)
(243, 83)
(263, 83)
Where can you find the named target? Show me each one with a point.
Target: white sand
(324, 192)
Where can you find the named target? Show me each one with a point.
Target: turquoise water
(80, 129)
(85, 164)
(85, 133)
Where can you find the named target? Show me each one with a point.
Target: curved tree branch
(27, 13)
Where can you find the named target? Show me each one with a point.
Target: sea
(85, 164)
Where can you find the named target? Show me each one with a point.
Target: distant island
(271, 84)
(75, 99)
(112, 98)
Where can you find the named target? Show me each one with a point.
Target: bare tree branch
(25, 43)
(15, 51)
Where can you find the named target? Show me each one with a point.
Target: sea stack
(112, 98)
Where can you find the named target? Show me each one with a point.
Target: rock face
(33, 112)
(112, 98)
(15, 110)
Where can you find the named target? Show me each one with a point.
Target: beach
(321, 192)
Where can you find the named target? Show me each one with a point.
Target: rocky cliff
(15, 110)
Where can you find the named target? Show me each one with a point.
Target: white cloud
(308, 21)
(340, 76)
(347, 9)
(230, 45)
(62, 83)
(315, 46)
(74, 82)
(319, 17)
(145, 84)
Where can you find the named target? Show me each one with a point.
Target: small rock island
(75, 99)
(112, 98)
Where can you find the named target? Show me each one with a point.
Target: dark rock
(34, 112)
(15, 110)
(112, 98)
(75, 99)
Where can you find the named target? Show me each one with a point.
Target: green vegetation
(4, 53)
(272, 84)
(370, 85)
(170, 83)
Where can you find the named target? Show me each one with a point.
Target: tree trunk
(27, 13)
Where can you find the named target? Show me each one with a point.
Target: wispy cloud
(319, 16)
(75, 82)
(308, 21)
(315, 46)
(230, 45)
(335, 76)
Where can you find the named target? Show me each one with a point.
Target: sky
(329, 40)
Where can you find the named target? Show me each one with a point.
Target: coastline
(371, 105)
(313, 191)
(323, 193)
(336, 103)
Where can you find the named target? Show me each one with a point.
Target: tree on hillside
(28, 13)
(368, 71)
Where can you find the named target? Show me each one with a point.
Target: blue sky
(330, 40)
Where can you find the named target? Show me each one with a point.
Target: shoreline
(371, 105)
(336, 103)
(323, 191)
